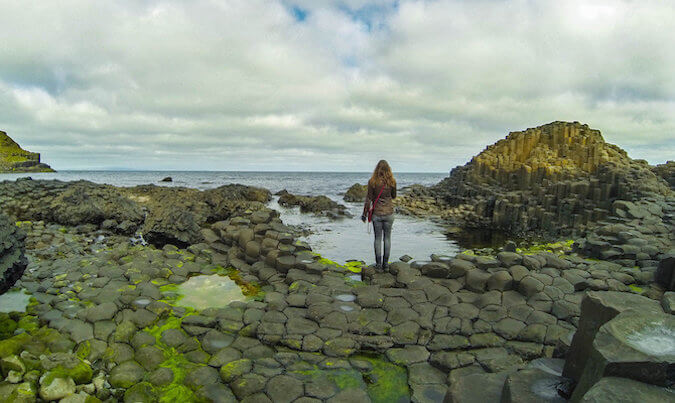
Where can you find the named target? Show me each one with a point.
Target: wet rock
(408, 355)
(623, 390)
(217, 393)
(532, 386)
(248, 385)
(597, 308)
(476, 388)
(635, 344)
(235, 369)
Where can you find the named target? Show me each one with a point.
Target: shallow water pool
(208, 291)
(14, 301)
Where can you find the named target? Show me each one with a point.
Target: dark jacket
(385, 205)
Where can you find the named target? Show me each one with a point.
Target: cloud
(327, 85)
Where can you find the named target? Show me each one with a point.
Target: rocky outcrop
(12, 259)
(15, 159)
(557, 178)
(356, 193)
(163, 215)
(667, 172)
(319, 205)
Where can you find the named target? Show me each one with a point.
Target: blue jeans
(382, 225)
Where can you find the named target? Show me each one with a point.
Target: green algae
(83, 350)
(553, 247)
(636, 289)
(7, 326)
(387, 382)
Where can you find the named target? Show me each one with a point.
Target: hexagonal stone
(424, 373)
(350, 395)
(161, 376)
(635, 344)
(340, 347)
(126, 374)
(217, 393)
(235, 369)
(532, 386)
(247, 385)
(597, 308)
(149, 357)
(407, 355)
(508, 328)
(623, 390)
(476, 388)
(201, 376)
(285, 389)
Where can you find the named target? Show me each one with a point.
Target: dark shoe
(385, 267)
(378, 263)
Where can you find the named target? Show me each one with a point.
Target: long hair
(382, 175)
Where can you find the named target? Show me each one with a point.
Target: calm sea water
(338, 240)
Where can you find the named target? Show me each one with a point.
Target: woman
(381, 192)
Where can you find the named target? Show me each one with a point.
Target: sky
(319, 85)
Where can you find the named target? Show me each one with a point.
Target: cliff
(15, 159)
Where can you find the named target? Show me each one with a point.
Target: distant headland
(13, 158)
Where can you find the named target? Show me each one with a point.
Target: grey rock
(597, 308)
(622, 390)
(631, 345)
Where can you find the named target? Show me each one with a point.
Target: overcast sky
(327, 85)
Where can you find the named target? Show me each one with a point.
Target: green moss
(13, 344)
(636, 289)
(177, 393)
(7, 326)
(28, 322)
(387, 382)
(553, 247)
(83, 350)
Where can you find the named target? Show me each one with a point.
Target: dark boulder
(12, 259)
(167, 179)
(665, 273)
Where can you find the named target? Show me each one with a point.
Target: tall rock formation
(15, 159)
(553, 178)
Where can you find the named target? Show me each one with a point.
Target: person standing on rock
(379, 208)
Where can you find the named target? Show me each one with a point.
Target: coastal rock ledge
(558, 178)
(13, 158)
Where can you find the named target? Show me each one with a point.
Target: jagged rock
(356, 193)
(597, 308)
(13, 262)
(164, 215)
(15, 159)
(321, 205)
(667, 172)
(635, 344)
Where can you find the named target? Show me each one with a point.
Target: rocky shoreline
(107, 320)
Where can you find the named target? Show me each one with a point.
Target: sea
(339, 240)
